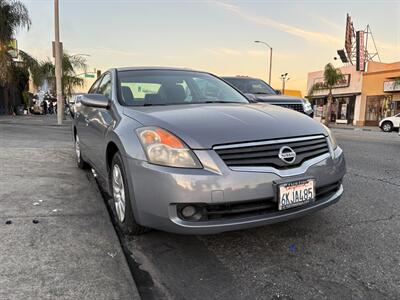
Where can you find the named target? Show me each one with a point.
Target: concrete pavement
(57, 240)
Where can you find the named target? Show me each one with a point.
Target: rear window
(251, 86)
(169, 87)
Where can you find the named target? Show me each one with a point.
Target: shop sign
(391, 86)
(320, 83)
(360, 54)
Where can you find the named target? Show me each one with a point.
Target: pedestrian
(45, 107)
(51, 108)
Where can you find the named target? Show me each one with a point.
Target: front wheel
(121, 206)
(387, 126)
(79, 160)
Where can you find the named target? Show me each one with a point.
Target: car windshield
(169, 87)
(251, 86)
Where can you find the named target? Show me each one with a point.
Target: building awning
(335, 95)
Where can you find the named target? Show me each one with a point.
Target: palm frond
(13, 15)
(6, 63)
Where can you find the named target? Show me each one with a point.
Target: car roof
(240, 77)
(157, 68)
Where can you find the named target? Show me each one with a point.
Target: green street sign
(89, 75)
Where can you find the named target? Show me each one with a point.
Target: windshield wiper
(218, 101)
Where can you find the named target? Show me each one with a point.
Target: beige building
(361, 98)
(347, 95)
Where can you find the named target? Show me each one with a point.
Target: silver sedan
(185, 152)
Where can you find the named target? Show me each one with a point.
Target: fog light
(192, 213)
(188, 211)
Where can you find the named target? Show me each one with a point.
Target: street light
(270, 59)
(284, 78)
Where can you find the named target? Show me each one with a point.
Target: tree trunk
(328, 110)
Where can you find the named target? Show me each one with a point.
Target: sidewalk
(57, 240)
(352, 127)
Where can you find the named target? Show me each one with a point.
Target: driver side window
(93, 89)
(105, 87)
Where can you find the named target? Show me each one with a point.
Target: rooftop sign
(320, 83)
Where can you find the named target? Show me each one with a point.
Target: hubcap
(77, 148)
(119, 193)
(386, 127)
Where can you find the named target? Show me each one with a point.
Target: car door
(397, 120)
(99, 121)
(82, 122)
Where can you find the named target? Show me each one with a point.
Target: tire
(79, 160)
(387, 126)
(121, 203)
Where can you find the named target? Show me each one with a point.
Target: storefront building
(346, 95)
(361, 98)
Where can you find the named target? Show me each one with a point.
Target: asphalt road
(347, 251)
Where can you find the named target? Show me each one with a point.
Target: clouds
(307, 35)
(318, 37)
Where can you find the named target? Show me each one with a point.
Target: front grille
(235, 210)
(267, 155)
(294, 106)
(253, 208)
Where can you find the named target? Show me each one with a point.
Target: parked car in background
(390, 123)
(260, 91)
(73, 102)
(185, 152)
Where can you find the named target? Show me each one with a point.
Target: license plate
(296, 193)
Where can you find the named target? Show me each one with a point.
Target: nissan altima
(183, 151)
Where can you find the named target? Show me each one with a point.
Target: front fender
(123, 135)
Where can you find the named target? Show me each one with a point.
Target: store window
(378, 107)
(345, 108)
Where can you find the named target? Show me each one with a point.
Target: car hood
(202, 126)
(278, 99)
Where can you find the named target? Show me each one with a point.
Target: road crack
(391, 217)
(372, 178)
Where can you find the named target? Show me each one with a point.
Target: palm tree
(13, 15)
(332, 77)
(13, 76)
(71, 64)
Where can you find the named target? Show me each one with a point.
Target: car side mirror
(95, 100)
(278, 92)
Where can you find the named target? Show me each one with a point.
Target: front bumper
(157, 190)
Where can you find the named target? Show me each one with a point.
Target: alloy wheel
(118, 192)
(77, 149)
(387, 127)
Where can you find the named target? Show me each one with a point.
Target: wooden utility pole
(58, 64)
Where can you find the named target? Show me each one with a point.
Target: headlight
(331, 137)
(164, 148)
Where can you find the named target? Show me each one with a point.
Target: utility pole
(284, 78)
(58, 64)
(270, 59)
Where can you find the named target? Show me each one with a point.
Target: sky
(214, 36)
